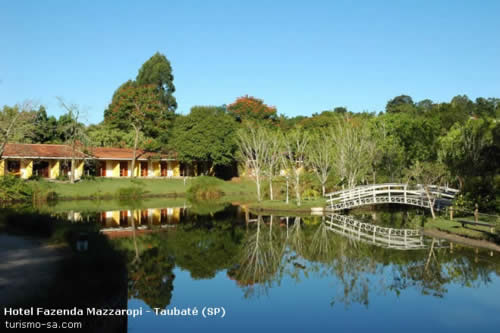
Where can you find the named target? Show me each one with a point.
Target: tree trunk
(271, 188)
(323, 189)
(461, 182)
(431, 202)
(297, 188)
(287, 190)
(72, 174)
(257, 182)
(136, 142)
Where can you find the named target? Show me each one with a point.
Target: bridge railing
(364, 191)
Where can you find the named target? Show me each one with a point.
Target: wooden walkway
(390, 193)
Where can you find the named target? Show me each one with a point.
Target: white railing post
(405, 193)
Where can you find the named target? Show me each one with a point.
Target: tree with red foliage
(251, 109)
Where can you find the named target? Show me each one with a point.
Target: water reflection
(260, 253)
(361, 257)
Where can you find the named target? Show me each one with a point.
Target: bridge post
(374, 231)
(404, 189)
(389, 193)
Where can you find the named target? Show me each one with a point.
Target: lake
(370, 270)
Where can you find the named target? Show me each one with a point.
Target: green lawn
(471, 231)
(106, 188)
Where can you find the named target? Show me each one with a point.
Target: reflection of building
(52, 161)
(141, 217)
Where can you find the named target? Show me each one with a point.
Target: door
(164, 169)
(144, 169)
(101, 169)
(123, 218)
(41, 169)
(123, 169)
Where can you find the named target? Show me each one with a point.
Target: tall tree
(253, 152)
(73, 130)
(138, 106)
(427, 174)
(296, 142)
(320, 155)
(206, 134)
(354, 150)
(157, 71)
(275, 147)
(463, 146)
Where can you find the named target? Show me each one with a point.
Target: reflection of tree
(260, 258)
(151, 279)
(204, 250)
(320, 247)
(296, 237)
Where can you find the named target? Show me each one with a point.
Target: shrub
(205, 187)
(131, 192)
(14, 189)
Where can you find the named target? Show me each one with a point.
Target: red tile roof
(39, 151)
(21, 150)
(108, 153)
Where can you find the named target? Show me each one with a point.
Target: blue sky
(300, 56)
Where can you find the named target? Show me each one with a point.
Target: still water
(309, 273)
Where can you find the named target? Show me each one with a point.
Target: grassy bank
(282, 206)
(106, 188)
(469, 231)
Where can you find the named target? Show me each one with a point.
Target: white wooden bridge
(391, 193)
(400, 239)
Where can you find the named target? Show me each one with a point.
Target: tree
(319, 157)
(461, 149)
(275, 149)
(138, 106)
(44, 130)
(389, 158)
(157, 71)
(207, 134)
(248, 108)
(253, 152)
(15, 123)
(73, 130)
(296, 142)
(402, 103)
(354, 150)
(427, 174)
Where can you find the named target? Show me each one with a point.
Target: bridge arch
(413, 195)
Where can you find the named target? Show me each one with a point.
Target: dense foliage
(341, 148)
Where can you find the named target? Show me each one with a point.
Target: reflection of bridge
(400, 239)
(391, 193)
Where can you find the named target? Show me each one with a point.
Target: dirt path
(27, 267)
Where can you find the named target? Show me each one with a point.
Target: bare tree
(254, 149)
(320, 157)
(296, 143)
(74, 131)
(427, 174)
(354, 150)
(275, 149)
(15, 122)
